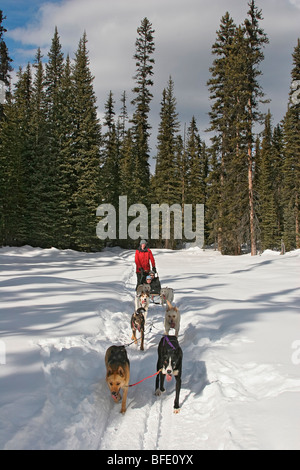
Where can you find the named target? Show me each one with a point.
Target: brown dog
(117, 373)
(138, 323)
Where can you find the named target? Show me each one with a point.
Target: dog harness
(166, 339)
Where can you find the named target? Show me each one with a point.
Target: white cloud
(296, 3)
(184, 33)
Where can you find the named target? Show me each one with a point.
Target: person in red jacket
(143, 258)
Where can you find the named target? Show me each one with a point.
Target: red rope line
(132, 385)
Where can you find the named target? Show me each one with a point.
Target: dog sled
(150, 284)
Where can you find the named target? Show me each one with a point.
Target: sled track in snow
(153, 417)
(142, 406)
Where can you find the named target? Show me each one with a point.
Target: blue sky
(19, 14)
(184, 34)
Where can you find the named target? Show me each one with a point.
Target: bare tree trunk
(297, 222)
(251, 200)
(220, 229)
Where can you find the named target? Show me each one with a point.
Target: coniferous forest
(58, 162)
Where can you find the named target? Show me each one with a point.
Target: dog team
(170, 354)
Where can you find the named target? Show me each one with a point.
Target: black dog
(169, 363)
(138, 323)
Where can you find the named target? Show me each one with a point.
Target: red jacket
(143, 258)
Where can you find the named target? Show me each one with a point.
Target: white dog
(172, 319)
(166, 293)
(143, 301)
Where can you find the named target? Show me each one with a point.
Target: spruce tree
(269, 236)
(197, 165)
(228, 144)
(166, 184)
(236, 183)
(221, 91)
(123, 118)
(167, 188)
(181, 167)
(196, 168)
(127, 181)
(214, 189)
(67, 178)
(36, 167)
(5, 64)
(51, 158)
(256, 39)
(278, 160)
(217, 84)
(144, 71)
(86, 146)
(14, 152)
(110, 155)
(126, 177)
(236, 92)
(291, 166)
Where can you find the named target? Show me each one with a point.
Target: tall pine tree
(141, 128)
(86, 145)
(256, 39)
(14, 153)
(51, 157)
(291, 165)
(5, 64)
(67, 177)
(236, 92)
(197, 170)
(269, 236)
(221, 124)
(167, 189)
(110, 178)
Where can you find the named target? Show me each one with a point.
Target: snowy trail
(62, 310)
(143, 364)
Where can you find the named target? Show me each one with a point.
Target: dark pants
(141, 278)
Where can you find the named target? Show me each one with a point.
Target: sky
(184, 33)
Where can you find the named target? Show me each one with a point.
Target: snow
(61, 310)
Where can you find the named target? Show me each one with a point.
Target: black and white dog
(169, 363)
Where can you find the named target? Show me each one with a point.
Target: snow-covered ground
(240, 336)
